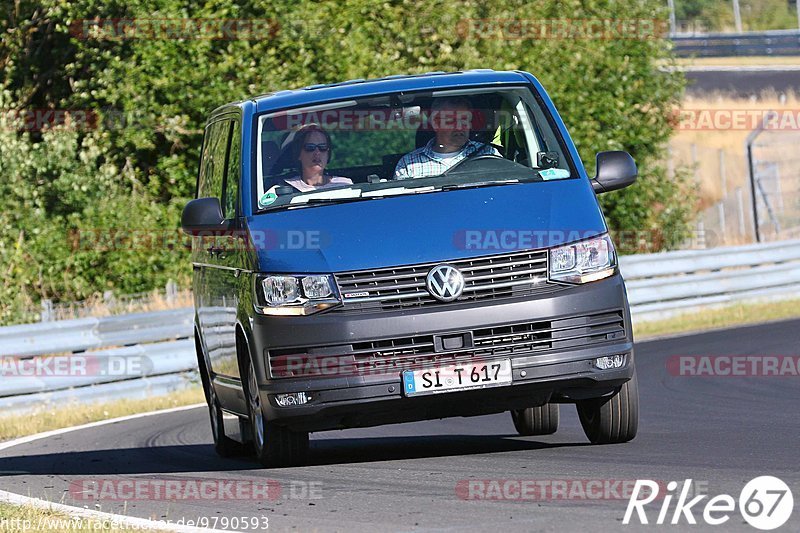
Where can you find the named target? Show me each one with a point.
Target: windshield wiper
(339, 200)
(315, 201)
(477, 184)
(397, 191)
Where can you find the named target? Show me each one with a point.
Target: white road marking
(53, 433)
(89, 514)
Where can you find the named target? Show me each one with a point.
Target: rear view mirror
(615, 170)
(202, 214)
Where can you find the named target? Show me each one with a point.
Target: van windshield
(405, 143)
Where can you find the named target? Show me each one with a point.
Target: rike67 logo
(765, 503)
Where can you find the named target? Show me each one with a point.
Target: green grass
(733, 315)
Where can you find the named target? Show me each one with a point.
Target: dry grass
(98, 306)
(28, 518)
(703, 149)
(749, 61)
(734, 315)
(56, 417)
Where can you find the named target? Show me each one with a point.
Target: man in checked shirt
(451, 119)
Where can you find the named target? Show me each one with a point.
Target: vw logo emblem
(445, 283)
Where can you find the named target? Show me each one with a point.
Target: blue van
(402, 249)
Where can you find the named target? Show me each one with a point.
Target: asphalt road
(742, 82)
(719, 431)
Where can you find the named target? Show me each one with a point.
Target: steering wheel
(472, 157)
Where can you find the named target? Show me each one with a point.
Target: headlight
(295, 295)
(280, 290)
(317, 286)
(582, 262)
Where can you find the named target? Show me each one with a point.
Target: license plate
(457, 377)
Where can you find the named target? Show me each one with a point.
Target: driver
(451, 119)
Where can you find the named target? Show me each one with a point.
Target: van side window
(212, 165)
(232, 178)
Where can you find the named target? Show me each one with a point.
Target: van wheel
(614, 419)
(223, 445)
(541, 420)
(275, 446)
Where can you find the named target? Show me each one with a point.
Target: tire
(541, 420)
(223, 445)
(614, 419)
(275, 446)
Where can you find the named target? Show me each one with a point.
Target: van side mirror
(202, 214)
(615, 170)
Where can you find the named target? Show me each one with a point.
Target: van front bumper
(574, 326)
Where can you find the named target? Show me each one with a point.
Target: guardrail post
(737, 16)
(672, 24)
(47, 311)
(172, 292)
(701, 234)
(797, 4)
(740, 205)
(109, 300)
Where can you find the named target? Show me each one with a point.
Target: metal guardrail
(134, 389)
(124, 356)
(107, 366)
(766, 43)
(659, 286)
(92, 333)
(671, 283)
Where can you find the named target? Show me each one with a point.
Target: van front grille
(486, 278)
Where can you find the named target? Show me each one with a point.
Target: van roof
(360, 87)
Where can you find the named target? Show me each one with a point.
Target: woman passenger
(312, 149)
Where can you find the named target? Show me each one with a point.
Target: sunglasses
(310, 147)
